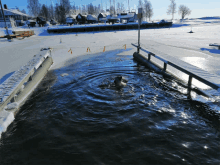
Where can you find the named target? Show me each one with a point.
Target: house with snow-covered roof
(81, 19)
(129, 17)
(15, 14)
(102, 17)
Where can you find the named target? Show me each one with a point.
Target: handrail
(191, 75)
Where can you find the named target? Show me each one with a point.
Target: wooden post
(164, 67)
(149, 56)
(190, 81)
(189, 84)
(139, 25)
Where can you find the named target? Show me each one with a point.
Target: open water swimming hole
(78, 116)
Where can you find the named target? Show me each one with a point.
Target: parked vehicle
(70, 21)
(31, 23)
(52, 22)
(162, 21)
(20, 22)
(41, 21)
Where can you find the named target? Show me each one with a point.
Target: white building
(15, 14)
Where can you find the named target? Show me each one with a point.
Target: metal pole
(4, 18)
(139, 26)
(138, 48)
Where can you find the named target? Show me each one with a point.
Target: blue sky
(200, 8)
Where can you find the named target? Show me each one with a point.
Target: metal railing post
(149, 56)
(189, 84)
(139, 26)
(165, 66)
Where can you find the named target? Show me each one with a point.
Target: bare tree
(114, 6)
(118, 8)
(122, 7)
(184, 10)
(112, 9)
(140, 4)
(73, 9)
(80, 9)
(148, 9)
(83, 10)
(91, 9)
(97, 10)
(33, 7)
(172, 8)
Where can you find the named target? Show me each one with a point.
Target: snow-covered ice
(190, 47)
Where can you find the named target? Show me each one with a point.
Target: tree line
(183, 10)
(60, 10)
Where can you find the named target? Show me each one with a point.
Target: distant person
(120, 81)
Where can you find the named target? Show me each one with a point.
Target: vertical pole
(4, 18)
(164, 67)
(139, 25)
(149, 56)
(189, 84)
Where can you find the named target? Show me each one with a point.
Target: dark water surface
(82, 118)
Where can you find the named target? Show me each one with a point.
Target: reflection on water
(78, 116)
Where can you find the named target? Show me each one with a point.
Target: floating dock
(16, 89)
(114, 27)
(210, 79)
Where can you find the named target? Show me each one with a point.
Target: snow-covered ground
(190, 47)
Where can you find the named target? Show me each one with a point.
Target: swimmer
(120, 82)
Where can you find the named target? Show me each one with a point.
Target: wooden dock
(114, 27)
(203, 76)
(20, 33)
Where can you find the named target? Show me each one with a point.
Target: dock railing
(189, 73)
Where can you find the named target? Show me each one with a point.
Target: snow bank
(6, 118)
